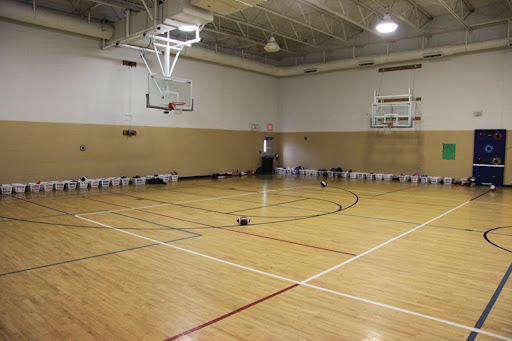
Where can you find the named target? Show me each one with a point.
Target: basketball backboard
(164, 90)
(399, 114)
(397, 110)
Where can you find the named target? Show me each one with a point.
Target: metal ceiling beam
(360, 22)
(420, 9)
(90, 8)
(491, 23)
(264, 30)
(509, 2)
(234, 35)
(459, 9)
(119, 4)
(308, 25)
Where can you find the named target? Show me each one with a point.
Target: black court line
(265, 206)
(207, 210)
(90, 257)
(285, 219)
(83, 258)
(486, 233)
(416, 223)
(157, 224)
(468, 230)
(491, 303)
(41, 205)
(397, 190)
(254, 216)
(408, 202)
(293, 196)
(54, 209)
(7, 219)
(160, 201)
(230, 213)
(379, 218)
(230, 189)
(273, 193)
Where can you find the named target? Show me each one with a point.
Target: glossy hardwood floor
(356, 260)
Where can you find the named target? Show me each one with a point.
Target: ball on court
(243, 220)
(323, 183)
(492, 187)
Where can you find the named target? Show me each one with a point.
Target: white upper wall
(50, 76)
(451, 89)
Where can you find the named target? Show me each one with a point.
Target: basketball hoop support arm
(149, 70)
(177, 45)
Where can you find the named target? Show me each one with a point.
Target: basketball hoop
(387, 127)
(177, 107)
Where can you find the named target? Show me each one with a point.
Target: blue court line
(157, 224)
(90, 257)
(493, 300)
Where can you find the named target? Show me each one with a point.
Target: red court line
(138, 209)
(480, 195)
(290, 242)
(229, 314)
(227, 229)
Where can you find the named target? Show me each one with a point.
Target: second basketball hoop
(387, 127)
(177, 107)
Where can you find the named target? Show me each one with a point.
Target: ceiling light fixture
(272, 46)
(386, 25)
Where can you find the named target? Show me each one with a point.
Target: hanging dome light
(386, 25)
(272, 46)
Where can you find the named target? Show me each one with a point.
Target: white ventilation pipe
(210, 56)
(19, 11)
(397, 57)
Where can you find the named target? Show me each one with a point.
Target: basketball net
(387, 128)
(177, 107)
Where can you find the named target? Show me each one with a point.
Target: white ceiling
(311, 31)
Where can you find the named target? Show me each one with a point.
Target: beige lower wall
(399, 152)
(31, 151)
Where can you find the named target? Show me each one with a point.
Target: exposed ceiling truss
(319, 30)
(314, 24)
(459, 9)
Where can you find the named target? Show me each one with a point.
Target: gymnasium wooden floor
(356, 260)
